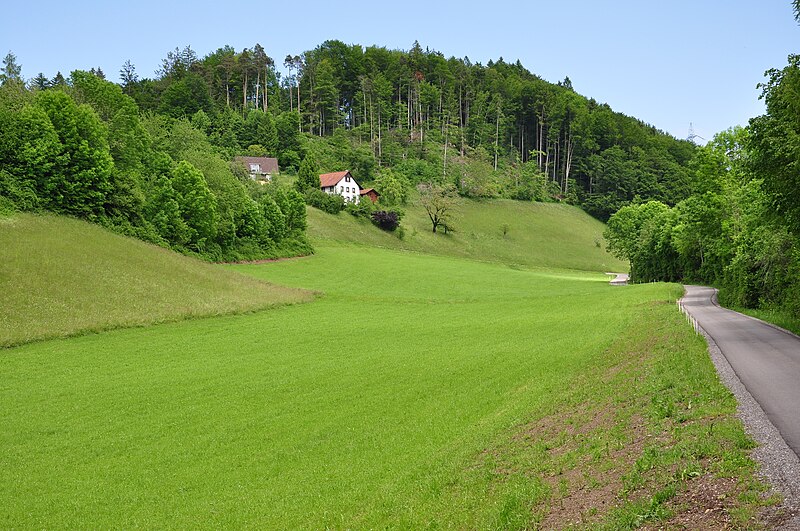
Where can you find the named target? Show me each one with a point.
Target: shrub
(330, 203)
(307, 175)
(386, 219)
(363, 209)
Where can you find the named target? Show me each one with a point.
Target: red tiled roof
(368, 190)
(330, 179)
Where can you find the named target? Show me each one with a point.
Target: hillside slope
(60, 276)
(536, 234)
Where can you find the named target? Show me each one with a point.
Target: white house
(342, 183)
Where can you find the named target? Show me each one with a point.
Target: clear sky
(667, 63)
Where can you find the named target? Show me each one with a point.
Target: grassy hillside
(60, 276)
(422, 391)
(537, 234)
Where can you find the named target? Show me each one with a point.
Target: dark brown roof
(268, 164)
(330, 179)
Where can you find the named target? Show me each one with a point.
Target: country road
(761, 366)
(766, 359)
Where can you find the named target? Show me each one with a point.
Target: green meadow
(61, 277)
(407, 394)
(501, 230)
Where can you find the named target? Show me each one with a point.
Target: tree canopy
(118, 153)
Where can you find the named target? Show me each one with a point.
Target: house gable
(341, 183)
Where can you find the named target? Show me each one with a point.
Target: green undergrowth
(778, 317)
(511, 232)
(60, 277)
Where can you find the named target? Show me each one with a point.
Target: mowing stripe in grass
(358, 407)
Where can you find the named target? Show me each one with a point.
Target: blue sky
(667, 63)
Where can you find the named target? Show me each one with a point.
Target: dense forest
(151, 157)
(740, 228)
(493, 130)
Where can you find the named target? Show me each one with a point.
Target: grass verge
(650, 439)
(778, 317)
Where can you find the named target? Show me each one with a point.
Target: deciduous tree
(80, 181)
(308, 175)
(438, 202)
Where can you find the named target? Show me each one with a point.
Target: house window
(347, 178)
(255, 168)
(341, 189)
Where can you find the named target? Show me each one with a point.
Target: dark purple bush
(387, 220)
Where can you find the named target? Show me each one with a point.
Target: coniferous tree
(40, 82)
(11, 71)
(128, 76)
(58, 81)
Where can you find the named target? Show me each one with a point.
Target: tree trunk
(497, 137)
(568, 164)
(547, 161)
(266, 71)
(289, 84)
(371, 122)
(244, 92)
(446, 134)
(461, 119)
(555, 161)
(409, 119)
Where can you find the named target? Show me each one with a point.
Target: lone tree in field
(438, 202)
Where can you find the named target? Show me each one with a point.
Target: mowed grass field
(417, 391)
(536, 234)
(61, 277)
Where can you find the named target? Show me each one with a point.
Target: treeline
(151, 157)
(83, 148)
(740, 228)
(493, 130)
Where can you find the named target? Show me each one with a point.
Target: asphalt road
(620, 279)
(766, 359)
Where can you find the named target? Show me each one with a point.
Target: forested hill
(153, 157)
(493, 130)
